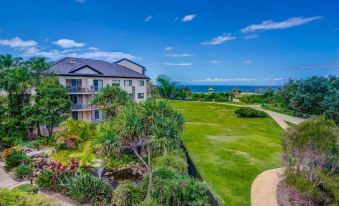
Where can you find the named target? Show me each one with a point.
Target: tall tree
(110, 100)
(53, 102)
(7, 60)
(38, 66)
(166, 87)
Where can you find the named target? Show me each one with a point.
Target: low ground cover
(228, 151)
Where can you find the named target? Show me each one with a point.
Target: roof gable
(85, 70)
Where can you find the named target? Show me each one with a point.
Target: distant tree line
(32, 98)
(311, 96)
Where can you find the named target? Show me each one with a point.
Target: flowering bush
(56, 174)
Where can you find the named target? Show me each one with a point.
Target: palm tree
(38, 66)
(166, 87)
(8, 60)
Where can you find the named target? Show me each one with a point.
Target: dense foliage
(110, 100)
(75, 132)
(128, 193)
(249, 112)
(85, 188)
(27, 188)
(24, 171)
(20, 112)
(19, 198)
(310, 152)
(17, 158)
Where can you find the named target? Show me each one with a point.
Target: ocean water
(227, 88)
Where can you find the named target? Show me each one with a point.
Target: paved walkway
(280, 118)
(6, 181)
(264, 188)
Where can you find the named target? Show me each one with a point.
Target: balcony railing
(83, 89)
(80, 106)
(77, 89)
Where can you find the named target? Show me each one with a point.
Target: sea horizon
(195, 88)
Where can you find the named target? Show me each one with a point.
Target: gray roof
(67, 66)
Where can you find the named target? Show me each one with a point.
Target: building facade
(83, 78)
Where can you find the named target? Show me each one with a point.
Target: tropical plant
(128, 194)
(110, 100)
(86, 188)
(27, 188)
(76, 132)
(17, 158)
(24, 171)
(45, 180)
(249, 112)
(166, 87)
(172, 189)
(19, 198)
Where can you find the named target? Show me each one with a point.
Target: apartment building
(83, 78)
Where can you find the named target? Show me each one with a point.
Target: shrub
(27, 188)
(252, 98)
(76, 132)
(310, 152)
(128, 194)
(7, 152)
(86, 188)
(18, 198)
(174, 161)
(249, 112)
(45, 180)
(23, 171)
(171, 189)
(16, 158)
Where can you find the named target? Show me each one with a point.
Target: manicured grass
(228, 151)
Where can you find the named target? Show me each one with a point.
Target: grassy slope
(229, 151)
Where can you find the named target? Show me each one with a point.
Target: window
(96, 114)
(128, 83)
(116, 83)
(141, 83)
(141, 95)
(97, 85)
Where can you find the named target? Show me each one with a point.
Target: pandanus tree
(149, 128)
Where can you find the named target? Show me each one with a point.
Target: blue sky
(237, 42)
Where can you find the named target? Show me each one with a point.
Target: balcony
(78, 90)
(81, 106)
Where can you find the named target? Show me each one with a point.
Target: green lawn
(229, 151)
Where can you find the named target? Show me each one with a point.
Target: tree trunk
(38, 129)
(150, 177)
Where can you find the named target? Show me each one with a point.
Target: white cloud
(251, 36)
(219, 40)
(168, 48)
(178, 55)
(216, 62)
(271, 25)
(148, 18)
(248, 62)
(188, 18)
(178, 64)
(16, 42)
(68, 43)
(104, 55)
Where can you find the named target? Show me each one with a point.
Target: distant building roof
(70, 66)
